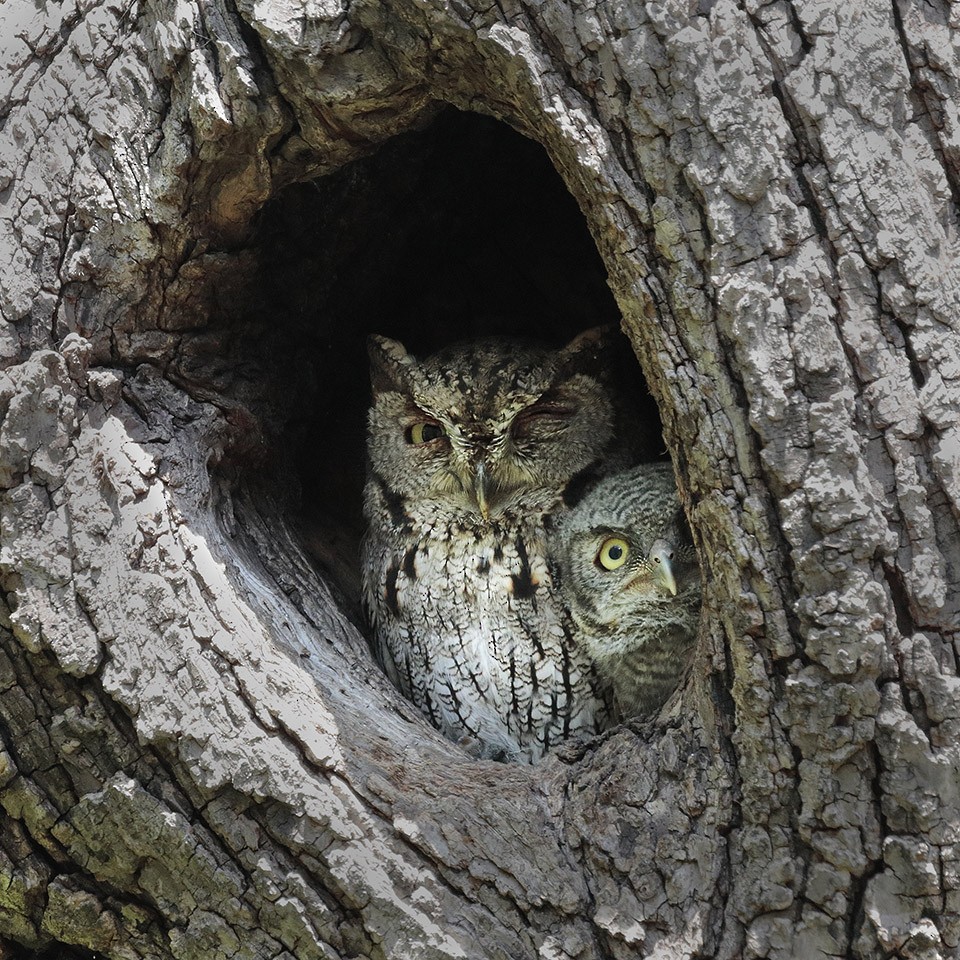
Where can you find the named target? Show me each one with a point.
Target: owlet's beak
(661, 556)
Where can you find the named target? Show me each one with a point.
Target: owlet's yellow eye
(424, 432)
(613, 553)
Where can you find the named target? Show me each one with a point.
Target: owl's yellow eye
(613, 553)
(424, 432)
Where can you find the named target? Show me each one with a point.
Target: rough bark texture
(199, 759)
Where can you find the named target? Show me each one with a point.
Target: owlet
(469, 451)
(628, 572)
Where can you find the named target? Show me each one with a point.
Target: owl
(469, 451)
(628, 573)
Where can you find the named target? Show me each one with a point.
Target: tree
(199, 758)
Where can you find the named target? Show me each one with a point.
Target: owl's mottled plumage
(639, 619)
(469, 451)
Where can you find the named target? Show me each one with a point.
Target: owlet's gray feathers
(628, 572)
(470, 450)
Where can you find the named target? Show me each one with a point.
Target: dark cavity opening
(460, 230)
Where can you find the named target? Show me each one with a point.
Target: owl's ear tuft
(390, 364)
(589, 351)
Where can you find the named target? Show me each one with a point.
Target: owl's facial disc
(492, 428)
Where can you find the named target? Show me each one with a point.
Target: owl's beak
(481, 487)
(661, 556)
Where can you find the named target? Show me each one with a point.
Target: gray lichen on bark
(198, 757)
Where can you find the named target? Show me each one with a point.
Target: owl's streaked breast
(470, 627)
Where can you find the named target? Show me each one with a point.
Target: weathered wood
(199, 758)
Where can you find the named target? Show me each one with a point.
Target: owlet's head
(623, 554)
(489, 426)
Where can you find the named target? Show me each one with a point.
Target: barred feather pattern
(469, 626)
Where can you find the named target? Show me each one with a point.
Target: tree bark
(200, 760)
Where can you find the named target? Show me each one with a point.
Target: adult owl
(628, 573)
(469, 451)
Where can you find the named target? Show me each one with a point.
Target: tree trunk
(199, 758)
